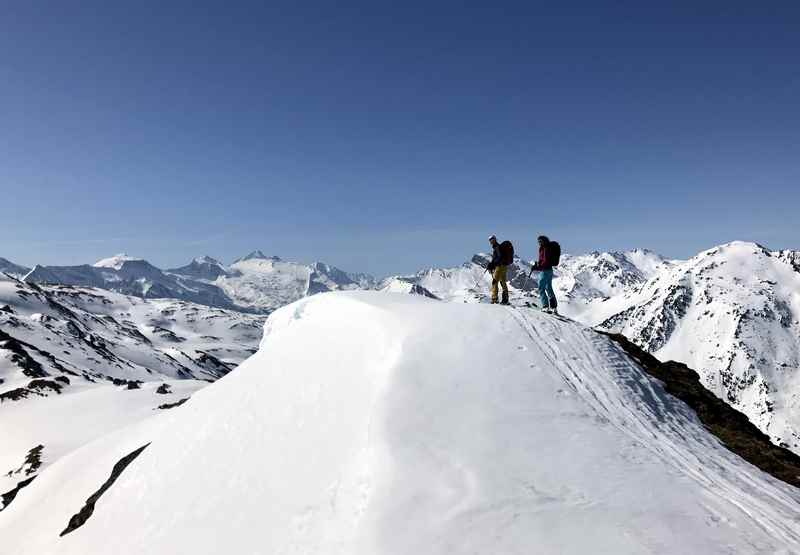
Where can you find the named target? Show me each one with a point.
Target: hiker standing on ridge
(502, 256)
(549, 255)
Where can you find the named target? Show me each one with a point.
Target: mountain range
(731, 313)
(254, 283)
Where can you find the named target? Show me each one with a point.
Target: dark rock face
(732, 427)
(164, 389)
(9, 496)
(32, 463)
(80, 518)
(129, 384)
(167, 406)
(212, 363)
(33, 460)
(35, 387)
(21, 358)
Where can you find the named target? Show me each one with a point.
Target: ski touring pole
(480, 278)
(474, 288)
(526, 280)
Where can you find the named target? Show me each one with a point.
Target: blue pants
(546, 294)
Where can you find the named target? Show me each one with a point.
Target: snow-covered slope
(580, 281)
(15, 270)
(254, 283)
(466, 283)
(583, 281)
(131, 276)
(405, 286)
(202, 267)
(261, 283)
(413, 426)
(733, 314)
(78, 362)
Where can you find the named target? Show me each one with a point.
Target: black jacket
(497, 256)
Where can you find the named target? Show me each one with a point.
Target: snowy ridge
(131, 276)
(415, 426)
(597, 276)
(733, 314)
(76, 363)
(116, 262)
(253, 283)
(15, 270)
(466, 283)
(735, 324)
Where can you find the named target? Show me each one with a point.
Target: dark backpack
(506, 253)
(553, 253)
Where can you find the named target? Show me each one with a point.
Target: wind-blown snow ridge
(116, 261)
(733, 314)
(6, 266)
(416, 426)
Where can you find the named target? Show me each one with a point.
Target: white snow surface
(116, 262)
(267, 283)
(377, 423)
(91, 346)
(732, 313)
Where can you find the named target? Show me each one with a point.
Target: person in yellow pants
(502, 256)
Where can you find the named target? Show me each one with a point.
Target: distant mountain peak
(117, 261)
(205, 259)
(256, 255)
(11, 268)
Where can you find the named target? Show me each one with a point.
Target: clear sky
(386, 137)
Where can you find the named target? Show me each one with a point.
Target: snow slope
(264, 283)
(76, 363)
(8, 267)
(415, 426)
(466, 283)
(254, 283)
(582, 282)
(131, 276)
(732, 313)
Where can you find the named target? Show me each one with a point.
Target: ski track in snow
(651, 420)
(371, 423)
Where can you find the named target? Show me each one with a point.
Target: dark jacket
(497, 256)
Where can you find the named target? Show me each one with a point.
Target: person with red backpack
(549, 257)
(502, 257)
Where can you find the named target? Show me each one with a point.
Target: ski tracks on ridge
(621, 394)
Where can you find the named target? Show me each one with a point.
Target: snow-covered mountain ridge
(740, 334)
(76, 363)
(253, 283)
(412, 426)
(731, 313)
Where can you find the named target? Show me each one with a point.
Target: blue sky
(386, 137)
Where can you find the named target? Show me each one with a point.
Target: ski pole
(480, 278)
(526, 279)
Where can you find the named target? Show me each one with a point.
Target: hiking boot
(494, 301)
(505, 302)
(554, 311)
(546, 309)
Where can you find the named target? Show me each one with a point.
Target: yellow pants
(500, 276)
